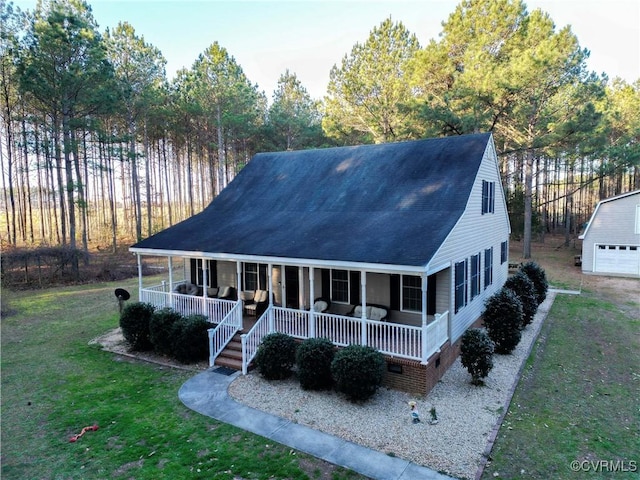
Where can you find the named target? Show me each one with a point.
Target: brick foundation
(411, 376)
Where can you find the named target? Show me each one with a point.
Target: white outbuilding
(611, 240)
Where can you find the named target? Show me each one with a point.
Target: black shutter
(194, 271)
(213, 273)
(354, 285)
(431, 294)
(263, 277)
(394, 294)
(326, 283)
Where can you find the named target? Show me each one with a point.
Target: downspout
(424, 285)
(312, 313)
(363, 289)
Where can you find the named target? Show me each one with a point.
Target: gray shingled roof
(391, 204)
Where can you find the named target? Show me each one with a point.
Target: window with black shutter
(460, 285)
(488, 267)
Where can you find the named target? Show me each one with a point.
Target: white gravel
(467, 415)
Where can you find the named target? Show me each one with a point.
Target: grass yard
(54, 383)
(579, 397)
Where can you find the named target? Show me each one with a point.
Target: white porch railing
(405, 341)
(436, 334)
(252, 340)
(222, 334)
(160, 296)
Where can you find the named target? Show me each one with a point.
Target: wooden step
(229, 362)
(231, 356)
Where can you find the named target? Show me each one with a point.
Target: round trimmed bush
(161, 327)
(357, 371)
(525, 290)
(476, 354)
(313, 359)
(190, 338)
(134, 322)
(502, 318)
(276, 356)
(539, 278)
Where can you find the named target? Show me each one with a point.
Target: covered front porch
(293, 290)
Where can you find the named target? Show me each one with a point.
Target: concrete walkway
(206, 393)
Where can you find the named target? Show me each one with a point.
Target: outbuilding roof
(390, 204)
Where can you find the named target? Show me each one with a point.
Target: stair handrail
(252, 339)
(221, 334)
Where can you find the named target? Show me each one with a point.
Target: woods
(100, 148)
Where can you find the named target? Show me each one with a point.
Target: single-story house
(611, 239)
(395, 246)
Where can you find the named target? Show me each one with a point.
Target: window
(340, 286)
(461, 284)
(488, 196)
(411, 293)
(488, 267)
(475, 276)
(251, 276)
(637, 230)
(198, 266)
(504, 252)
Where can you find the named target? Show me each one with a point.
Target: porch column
(205, 282)
(300, 288)
(424, 319)
(239, 277)
(170, 262)
(312, 314)
(139, 277)
(363, 289)
(272, 327)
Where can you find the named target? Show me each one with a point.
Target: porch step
(231, 356)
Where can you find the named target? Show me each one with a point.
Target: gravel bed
(467, 415)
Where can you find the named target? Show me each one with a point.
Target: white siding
(227, 274)
(474, 233)
(612, 224)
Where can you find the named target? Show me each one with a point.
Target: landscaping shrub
(525, 290)
(539, 278)
(503, 319)
(161, 327)
(476, 354)
(313, 359)
(190, 339)
(276, 356)
(134, 322)
(357, 371)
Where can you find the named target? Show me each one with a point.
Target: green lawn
(54, 384)
(579, 398)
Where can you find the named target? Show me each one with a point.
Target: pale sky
(309, 36)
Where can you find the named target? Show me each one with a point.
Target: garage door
(622, 259)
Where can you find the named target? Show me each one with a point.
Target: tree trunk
(82, 201)
(68, 167)
(137, 204)
(528, 200)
